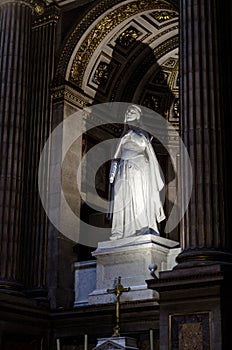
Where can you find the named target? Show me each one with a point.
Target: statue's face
(132, 114)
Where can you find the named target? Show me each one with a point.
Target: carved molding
(67, 93)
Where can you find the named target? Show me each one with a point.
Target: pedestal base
(130, 258)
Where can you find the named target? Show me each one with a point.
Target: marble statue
(136, 182)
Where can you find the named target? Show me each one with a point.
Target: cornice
(67, 93)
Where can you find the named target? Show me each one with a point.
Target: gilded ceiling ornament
(101, 74)
(39, 9)
(162, 16)
(103, 28)
(128, 37)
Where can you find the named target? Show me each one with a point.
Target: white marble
(130, 258)
(135, 240)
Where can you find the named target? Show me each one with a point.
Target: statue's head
(133, 113)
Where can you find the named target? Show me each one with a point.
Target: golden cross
(118, 290)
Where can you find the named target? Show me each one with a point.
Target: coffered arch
(125, 52)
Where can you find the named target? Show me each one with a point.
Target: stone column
(204, 103)
(35, 223)
(195, 297)
(15, 39)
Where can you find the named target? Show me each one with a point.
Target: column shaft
(34, 259)
(15, 22)
(203, 128)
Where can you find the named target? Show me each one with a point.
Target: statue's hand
(113, 170)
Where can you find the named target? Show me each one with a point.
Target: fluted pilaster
(15, 29)
(203, 126)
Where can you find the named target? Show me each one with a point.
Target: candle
(57, 344)
(86, 342)
(151, 340)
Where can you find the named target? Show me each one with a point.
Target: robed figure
(136, 182)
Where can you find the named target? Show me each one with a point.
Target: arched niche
(123, 52)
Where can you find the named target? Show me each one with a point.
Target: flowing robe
(137, 205)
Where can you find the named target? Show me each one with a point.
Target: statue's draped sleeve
(157, 182)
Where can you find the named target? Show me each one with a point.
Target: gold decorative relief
(128, 37)
(162, 16)
(101, 74)
(38, 9)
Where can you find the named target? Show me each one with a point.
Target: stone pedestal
(130, 258)
(114, 343)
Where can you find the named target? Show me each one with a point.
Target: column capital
(37, 6)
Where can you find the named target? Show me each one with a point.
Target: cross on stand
(118, 290)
